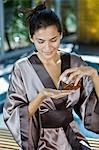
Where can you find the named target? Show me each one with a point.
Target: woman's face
(47, 41)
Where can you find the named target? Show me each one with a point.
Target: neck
(54, 60)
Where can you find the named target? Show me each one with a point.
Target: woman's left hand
(75, 74)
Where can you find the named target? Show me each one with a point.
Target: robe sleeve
(16, 111)
(88, 104)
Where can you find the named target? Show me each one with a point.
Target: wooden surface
(94, 143)
(8, 143)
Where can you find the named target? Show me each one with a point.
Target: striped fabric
(8, 143)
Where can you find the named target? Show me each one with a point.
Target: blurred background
(80, 21)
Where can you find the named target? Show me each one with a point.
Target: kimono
(46, 129)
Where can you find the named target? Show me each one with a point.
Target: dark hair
(40, 17)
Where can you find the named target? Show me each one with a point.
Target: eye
(40, 41)
(54, 40)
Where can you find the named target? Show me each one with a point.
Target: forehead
(49, 31)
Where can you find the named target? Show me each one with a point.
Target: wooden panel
(94, 143)
(8, 143)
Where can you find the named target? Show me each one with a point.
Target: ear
(31, 39)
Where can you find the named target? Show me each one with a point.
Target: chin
(49, 56)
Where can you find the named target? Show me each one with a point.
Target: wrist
(41, 95)
(95, 78)
(94, 74)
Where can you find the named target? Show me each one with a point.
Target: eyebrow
(49, 39)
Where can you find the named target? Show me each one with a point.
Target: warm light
(88, 21)
(93, 30)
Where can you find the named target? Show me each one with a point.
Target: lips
(48, 53)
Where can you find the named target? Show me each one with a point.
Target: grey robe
(24, 86)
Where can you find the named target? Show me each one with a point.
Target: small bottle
(68, 86)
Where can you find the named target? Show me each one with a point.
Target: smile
(49, 53)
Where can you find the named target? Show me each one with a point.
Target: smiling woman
(36, 111)
(47, 42)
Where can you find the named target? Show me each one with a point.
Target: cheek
(38, 46)
(57, 44)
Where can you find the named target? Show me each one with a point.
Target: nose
(47, 46)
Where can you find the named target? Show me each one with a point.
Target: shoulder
(17, 67)
(72, 56)
(75, 57)
(23, 62)
(20, 63)
(24, 59)
(23, 65)
(76, 60)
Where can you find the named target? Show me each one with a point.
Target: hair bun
(40, 7)
(30, 11)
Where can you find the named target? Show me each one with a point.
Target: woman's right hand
(76, 74)
(53, 93)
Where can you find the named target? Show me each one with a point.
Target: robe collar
(42, 72)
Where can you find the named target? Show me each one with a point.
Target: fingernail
(75, 84)
(61, 77)
(67, 81)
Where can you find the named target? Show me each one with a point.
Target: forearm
(35, 103)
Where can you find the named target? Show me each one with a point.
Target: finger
(68, 103)
(63, 94)
(73, 76)
(64, 79)
(66, 72)
(59, 95)
(70, 70)
(51, 94)
(61, 78)
(78, 79)
(58, 84)
(53, 91)
(68, 91)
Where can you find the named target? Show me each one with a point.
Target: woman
(35, 111)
